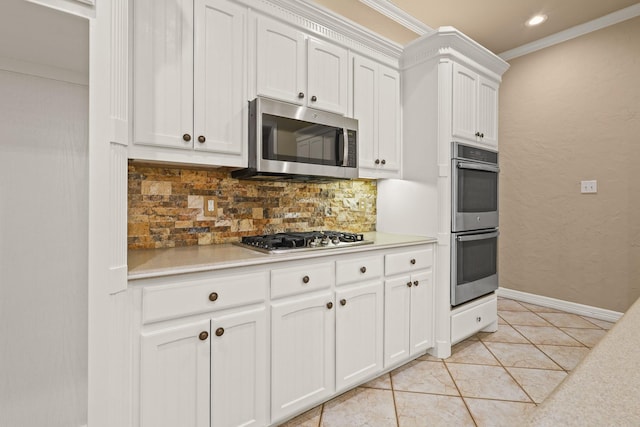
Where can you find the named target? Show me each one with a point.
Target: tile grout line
(509, 373)
(321, 415)
(393, 396)
(535, 346)
(567, 372)
(464, 402)
(583, 345)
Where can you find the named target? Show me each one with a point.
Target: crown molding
(448, 42)
(393, 12)
(573, 32)
(325, 23)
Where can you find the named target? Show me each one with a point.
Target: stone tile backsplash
(166, 206)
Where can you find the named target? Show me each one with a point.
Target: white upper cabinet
(475, 107)
(220, 98)
(190, 81)
(327, 76)
(376, 106)
(282, 63)
(299, 69)
(163, 73)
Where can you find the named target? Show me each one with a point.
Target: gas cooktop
(302, 241)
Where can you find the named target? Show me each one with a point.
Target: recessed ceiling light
(536, 20)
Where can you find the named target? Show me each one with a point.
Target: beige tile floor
(490, 378)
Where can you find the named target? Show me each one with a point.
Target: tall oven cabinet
(450, 89)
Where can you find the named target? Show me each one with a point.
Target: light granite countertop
(604, 389)
(146, 263)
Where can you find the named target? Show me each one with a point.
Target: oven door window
(476, 260)
(477, 191)
(293, 140)
(474, 266)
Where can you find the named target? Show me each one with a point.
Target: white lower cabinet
(359, 333)
(206, 373)
(302, 353)
(256, 346)
(239, 367)
(481, 314)
(175, 376)
(408, 322)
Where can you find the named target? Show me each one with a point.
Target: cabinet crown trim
(451, 42)
(325, 23)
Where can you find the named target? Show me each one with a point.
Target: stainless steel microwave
(288, 141)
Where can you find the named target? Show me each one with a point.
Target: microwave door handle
(474, 166)
(345, 142)
(483, 236)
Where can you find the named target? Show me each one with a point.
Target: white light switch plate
(589, 186)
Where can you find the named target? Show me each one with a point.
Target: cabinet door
(327, 77)
(163, 73)
(302, 353)
(389, 122)
(359, 323)
(465, 103)
(488, 111)
(220, 98)
(175, 377)
(376, 105)
(397, 320)
(421, 312)
(281, 61)
(365, 101)
(239, 362)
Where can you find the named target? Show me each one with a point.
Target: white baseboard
(570, 307)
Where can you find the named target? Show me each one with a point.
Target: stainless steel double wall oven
(474, 222)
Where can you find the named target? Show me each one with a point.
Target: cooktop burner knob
(325, 241)
(313, 243)
(335, 240)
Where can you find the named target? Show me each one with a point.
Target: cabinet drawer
(296, 280)
(177, 300)
(469, 321)
(358, 269)
(408, 261)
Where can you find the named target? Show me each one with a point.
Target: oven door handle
(482, 236)
(478, 167)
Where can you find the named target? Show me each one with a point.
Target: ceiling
(498, 25)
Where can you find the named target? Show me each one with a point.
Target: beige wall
(568, 113)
